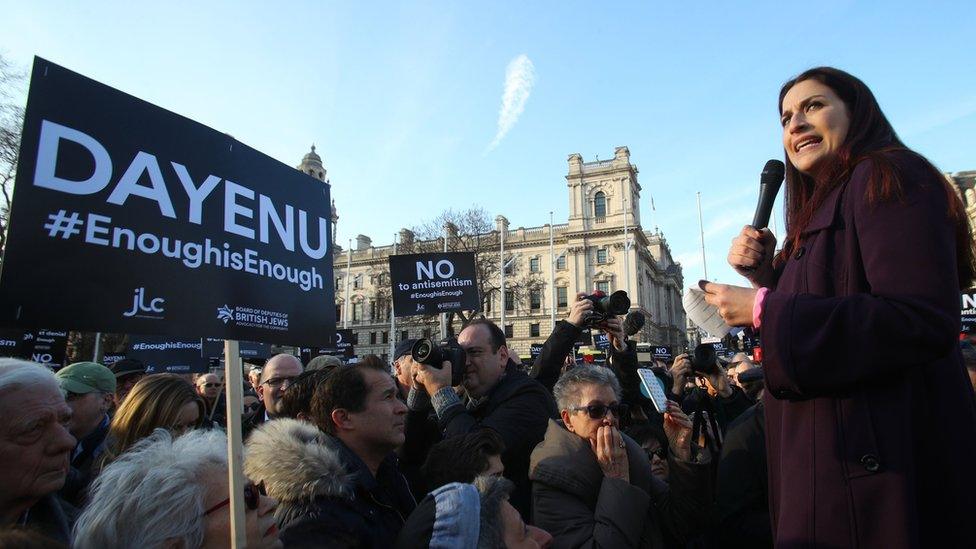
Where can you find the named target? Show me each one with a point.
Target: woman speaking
(870, 417)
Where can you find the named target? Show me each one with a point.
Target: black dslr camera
(605, 306)
(425, 351)
(703, 359)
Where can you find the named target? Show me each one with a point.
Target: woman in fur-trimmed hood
(328, 498)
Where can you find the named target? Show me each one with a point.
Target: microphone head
(773, 173)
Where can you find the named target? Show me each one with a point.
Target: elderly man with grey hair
(171, 493)
(35, 449)
(592, 484)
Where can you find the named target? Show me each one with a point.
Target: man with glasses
(276, 376)
(499, 396)
(592, 485)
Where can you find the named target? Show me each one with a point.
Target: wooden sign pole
(234, 382)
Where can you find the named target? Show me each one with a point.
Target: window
(404, 335)
(603, 287)
(510, 266)
(600, 205)
(561, 300)
(386, 337)
(426, 332)
(509, 301)
(357, 311)
(338, 311)
(357, 282)
(338, 283)
(535, 299)
(534, 265)
(372, 310)
(508, 330)
(601, 255)
(561, 263)
(372, 338)
(534, 330)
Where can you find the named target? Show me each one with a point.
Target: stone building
(589, 254)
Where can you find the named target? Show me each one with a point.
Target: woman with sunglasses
(168, 492)
(592, 485)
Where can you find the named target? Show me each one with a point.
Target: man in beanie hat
(89, 389)
(470, 515)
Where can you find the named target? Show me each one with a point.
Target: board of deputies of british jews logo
(144, 306)
(253, 318)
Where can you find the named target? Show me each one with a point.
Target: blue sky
(402, 99)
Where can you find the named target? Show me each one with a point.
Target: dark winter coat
(549, 364)
(742, 493)
(870, 417)
(518, 408)
(83, 469)
(327, 496)
(580, 507)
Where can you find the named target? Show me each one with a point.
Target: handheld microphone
(769, 183)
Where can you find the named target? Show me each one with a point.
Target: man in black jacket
(342, 488)
(498, 397)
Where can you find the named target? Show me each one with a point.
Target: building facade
(589, 253)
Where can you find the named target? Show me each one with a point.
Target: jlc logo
(139, 304)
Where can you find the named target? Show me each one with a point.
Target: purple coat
(870, 416)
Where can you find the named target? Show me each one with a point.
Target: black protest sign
(535, 350)
(128, 218)
(110, 359)
(169, 354)
(426, 284)
(344, 346)
(968, 310)
(42, 346)
(661, 352)
(601, 341)
(46, 346)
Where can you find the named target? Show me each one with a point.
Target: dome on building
(312, 156)
(312, 165)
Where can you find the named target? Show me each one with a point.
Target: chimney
(363, 242)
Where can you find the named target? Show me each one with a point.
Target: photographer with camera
(714, 394)
(498, 396)
(595, 311)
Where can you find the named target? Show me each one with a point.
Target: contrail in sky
(519, 79)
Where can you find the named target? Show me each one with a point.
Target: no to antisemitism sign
(428, 284)
(129, 218)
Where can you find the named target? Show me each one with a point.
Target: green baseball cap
(86, 377)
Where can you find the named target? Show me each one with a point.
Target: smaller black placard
(426, 284)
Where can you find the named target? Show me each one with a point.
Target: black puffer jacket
(327, 496)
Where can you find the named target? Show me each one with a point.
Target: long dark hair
(869, 137)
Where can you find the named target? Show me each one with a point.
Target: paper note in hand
(702, 314)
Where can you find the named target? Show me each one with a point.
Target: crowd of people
(557, 453)
(371, 454)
